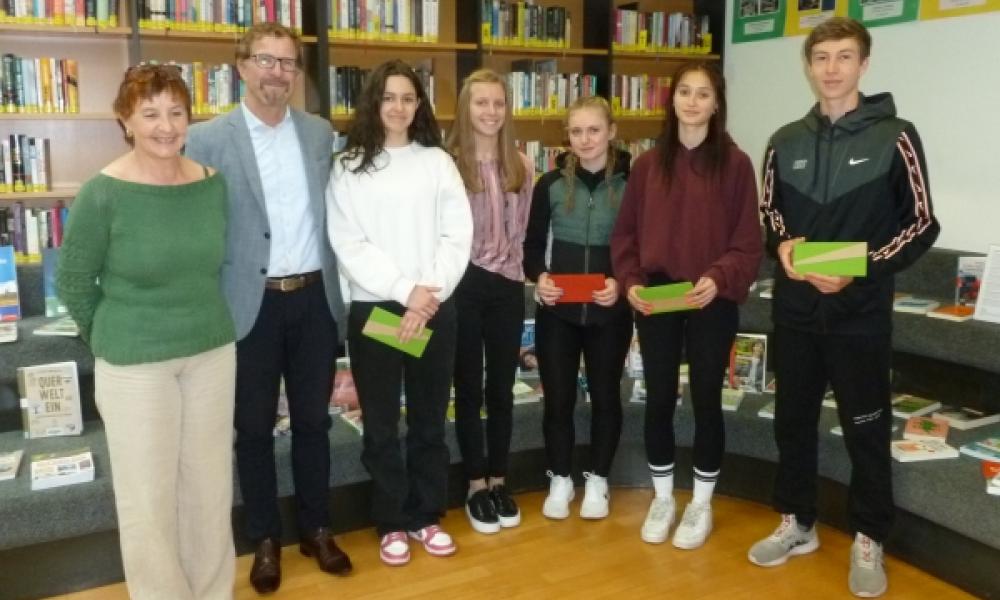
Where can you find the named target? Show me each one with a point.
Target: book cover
(10, 303)
(747, 363)
(526, 393)
(905, 406)
(926, 428)
(63, 327)
(914, 305)
(383, 326)
(952, 312)
(50, 262)
(990, 468)
(578, 287)
(527, 362)
(919, 450)
(50, 400)
(968, 279)
(344, 396)
(987, 449)
(848, 259)
(967, 418)
(731, 399)
(668, 298)
(988, 297)
(9, 463)
(633, 362)
(61, 468)
(765, 287)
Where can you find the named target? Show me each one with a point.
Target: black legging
(558, 344)
(708, 335)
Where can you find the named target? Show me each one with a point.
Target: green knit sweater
(139, 269)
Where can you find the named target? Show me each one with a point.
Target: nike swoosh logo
(853, 162)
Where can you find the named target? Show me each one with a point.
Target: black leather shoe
(265, 574)
(329, 557)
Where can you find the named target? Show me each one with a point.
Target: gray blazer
(224, 143)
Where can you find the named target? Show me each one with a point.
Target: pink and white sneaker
(436, 542)
(394, 549)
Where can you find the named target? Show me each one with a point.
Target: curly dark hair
(366, 134)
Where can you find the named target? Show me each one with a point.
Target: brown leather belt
(292, 282)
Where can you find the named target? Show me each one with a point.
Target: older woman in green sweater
(139, 272)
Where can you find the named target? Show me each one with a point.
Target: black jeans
(407, 493)
(294, 337)
(490, 316)
(857, 368)
(559, 343)
(707, 336)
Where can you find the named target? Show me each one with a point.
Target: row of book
(511, 23)
(78, 13)
(391, 20)
(548, 93)
(24, 164)
(214, 89)
(346, 83)
(640, 95)
(29, 231)
(659, 31)
(39, 85)
(543, 157)
(221, 16)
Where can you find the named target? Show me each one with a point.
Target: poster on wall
(873, 13)
(939, 9)
(758, 20)
(803, 15)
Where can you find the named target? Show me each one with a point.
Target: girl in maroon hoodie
(689, 213)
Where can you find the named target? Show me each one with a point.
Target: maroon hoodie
(699, 226)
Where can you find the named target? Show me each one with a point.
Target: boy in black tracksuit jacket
(860, 177)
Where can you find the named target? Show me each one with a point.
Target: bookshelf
(457, 49)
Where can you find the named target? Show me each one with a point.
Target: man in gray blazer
(280, 279)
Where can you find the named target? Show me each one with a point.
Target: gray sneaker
(787, 540)
(867, 578)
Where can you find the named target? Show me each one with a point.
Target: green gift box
(847, 259)
(668, 298)
(383, 326)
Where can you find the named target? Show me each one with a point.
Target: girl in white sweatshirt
(400, 224)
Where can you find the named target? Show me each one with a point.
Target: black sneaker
(507, 512)
(481, 512)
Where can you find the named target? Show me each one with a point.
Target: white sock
(663, 480)
(704, 485)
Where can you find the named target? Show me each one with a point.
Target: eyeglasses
(266, 61)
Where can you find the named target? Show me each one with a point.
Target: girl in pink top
(490, 297)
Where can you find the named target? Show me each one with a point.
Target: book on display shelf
(61, 327)
(920, 450)
(766, 411)
(952, 312)
(10, 299)
(50, 400)
(527, 362)
(967, 418)
(905, 406)
(991, 472)
(985, 449)
(914, 305)
(731, 399)
(748, 363)
(9, 463)
(57, 469)
(926, 428)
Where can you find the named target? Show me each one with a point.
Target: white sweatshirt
(405, 222)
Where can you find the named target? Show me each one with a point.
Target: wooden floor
(586, 559)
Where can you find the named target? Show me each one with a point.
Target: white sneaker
(787, 540)
(867, 577)
(595, 497)
(561, 492)
(658, 520)
(694, 527)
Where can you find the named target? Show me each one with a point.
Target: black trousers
(490, 317)
(294, 337)
(409, 492)
(707, 336)
(857, 368)
(558, 344)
